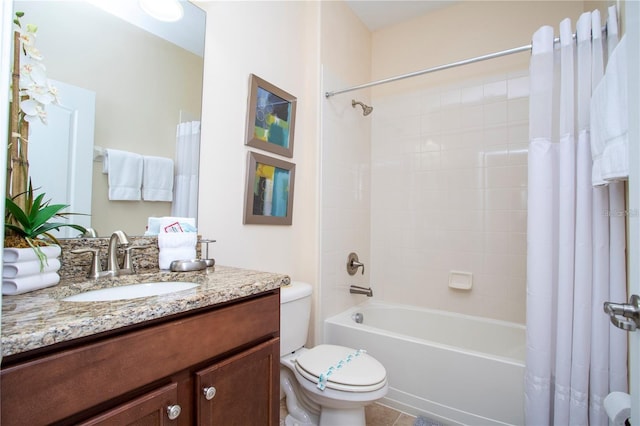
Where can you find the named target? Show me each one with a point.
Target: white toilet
(327, 385)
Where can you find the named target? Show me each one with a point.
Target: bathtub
(453, 368)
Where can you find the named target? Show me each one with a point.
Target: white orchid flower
(26, 38)
(41, 94)
(29, 107)
(32, 52)
(28, 41)
(33, 110)
(36, 91)
(35, 71)
(53, 90)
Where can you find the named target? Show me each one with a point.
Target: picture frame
(271, 117)
(269, 190)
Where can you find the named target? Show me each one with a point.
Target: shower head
(366, 109)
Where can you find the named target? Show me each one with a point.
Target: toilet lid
(361, 373)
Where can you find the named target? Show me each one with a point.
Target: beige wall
(464, 30)
(345, 160)
(133, 111)
(278, 42)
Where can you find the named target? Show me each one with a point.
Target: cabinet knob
(209, 392)
(173, 411)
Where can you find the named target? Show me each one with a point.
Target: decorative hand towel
(157, 179)
(15, 286)
(29, 267)
(177, 224)
(176, 246)
(156, 225)
(13, 255)
(125, 175)
(609, 121)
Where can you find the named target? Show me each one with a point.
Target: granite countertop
(40, 318)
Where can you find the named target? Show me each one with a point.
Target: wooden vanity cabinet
(136, 377)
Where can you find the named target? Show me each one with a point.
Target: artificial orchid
(36, 92)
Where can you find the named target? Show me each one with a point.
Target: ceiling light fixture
(163, 10)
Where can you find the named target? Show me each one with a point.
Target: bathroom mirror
(144, 86)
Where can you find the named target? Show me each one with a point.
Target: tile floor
(376, 415)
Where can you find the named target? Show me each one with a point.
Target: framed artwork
(269, 190)
(271, 118)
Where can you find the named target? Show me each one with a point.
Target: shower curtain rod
(443, 67)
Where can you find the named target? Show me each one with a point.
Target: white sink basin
(132, 291)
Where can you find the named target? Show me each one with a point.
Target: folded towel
(176, 246)
(14, 286)
(125, 174)
(609, 121)
(157, 179)
(177, 240)
(13, 255)
(29, 267)
(168, 255)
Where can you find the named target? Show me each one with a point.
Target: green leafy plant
(32, 224)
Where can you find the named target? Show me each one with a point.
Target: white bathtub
(454, 368)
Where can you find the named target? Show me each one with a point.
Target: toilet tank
(295, 311)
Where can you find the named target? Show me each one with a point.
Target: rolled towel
(15, 286)
(29, 267)
(12, 255)
(176, 246)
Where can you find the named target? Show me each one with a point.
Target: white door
(61, 154)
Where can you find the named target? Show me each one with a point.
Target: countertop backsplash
(74, 267)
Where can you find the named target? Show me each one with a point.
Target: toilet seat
(362, 373)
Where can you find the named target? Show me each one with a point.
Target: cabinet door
(241, 390)
(156, 408)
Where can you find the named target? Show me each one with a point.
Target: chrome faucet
(355, 289)
(113, 267)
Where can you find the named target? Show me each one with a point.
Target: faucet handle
(127, 263)
(353, 263)
(95, 269)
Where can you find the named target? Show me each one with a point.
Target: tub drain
(358, 317)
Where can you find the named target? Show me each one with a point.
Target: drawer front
(57, 386)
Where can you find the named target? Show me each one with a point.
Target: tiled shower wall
(345, 200)
(449, 193)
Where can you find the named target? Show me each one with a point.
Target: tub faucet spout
(355, 289)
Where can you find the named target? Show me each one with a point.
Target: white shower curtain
(575, 234)
(185, 200)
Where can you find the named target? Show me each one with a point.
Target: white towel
(609, 121)
(29, 267)
(157, 179)
(14, 286)
(13, 255)
(125, 174)
(176, 246)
